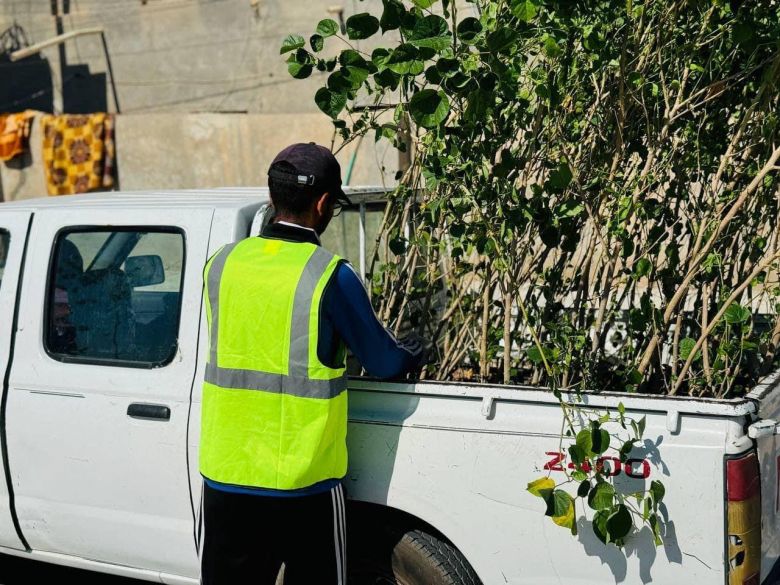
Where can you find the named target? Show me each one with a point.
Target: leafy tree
(593, 201)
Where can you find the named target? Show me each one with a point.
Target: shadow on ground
(17, 571)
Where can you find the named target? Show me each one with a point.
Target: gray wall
(173, 55)
(205, 96)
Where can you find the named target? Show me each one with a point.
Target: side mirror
(144, 270)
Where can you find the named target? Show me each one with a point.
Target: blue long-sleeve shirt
(346, 315)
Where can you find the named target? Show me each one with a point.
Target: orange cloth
(14, 132)
(78, 153)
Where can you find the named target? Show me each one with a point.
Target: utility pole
(58, 68)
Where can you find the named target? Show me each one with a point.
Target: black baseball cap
(314, 166)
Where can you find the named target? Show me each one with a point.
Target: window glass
(5, 239)
(343, 234)
(115, 296)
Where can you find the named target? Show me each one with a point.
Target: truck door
(13, 237)
(98, 408)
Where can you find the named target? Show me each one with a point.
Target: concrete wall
(182, 151)
(167, 55)
(205, 97)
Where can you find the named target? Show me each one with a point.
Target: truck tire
(408, 558)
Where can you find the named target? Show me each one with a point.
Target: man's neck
(296, 223)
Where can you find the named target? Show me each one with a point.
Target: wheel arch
(363, 515)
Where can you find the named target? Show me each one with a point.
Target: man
(273, 453)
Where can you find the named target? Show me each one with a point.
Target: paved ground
(16, 571)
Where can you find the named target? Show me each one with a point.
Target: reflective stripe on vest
(273, 415)
(296, 381)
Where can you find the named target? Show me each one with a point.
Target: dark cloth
(244, 539)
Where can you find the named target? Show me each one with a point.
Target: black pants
(246, 538)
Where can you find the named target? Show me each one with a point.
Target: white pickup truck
(102, 343)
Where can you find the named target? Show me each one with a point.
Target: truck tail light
(743, 510)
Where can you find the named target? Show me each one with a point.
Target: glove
(419, 347)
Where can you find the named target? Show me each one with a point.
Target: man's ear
(322, 203)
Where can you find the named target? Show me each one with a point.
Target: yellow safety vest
(273, 415)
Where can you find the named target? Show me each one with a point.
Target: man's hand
(418, 347)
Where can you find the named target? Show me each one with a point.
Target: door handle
(149, 411)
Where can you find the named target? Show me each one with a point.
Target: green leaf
(447, 67)
(538, 486)
(299, 70)
(350, 58)
(658, 491)
(433, 76)
(599, 525)
(558, 503)
(578, 475)
(379, 58)
(577, 454)
(564, 511)
(468, 29)
(551, 47)
(405, 60)
(742, 33)
(501, 39)
(655, 524)
(534, 354)
(292, 43)
(429, 108)
(480, 103)
(432, 32)
(525, 10)
(619, 523)
(583, 489)
(570, 208)
(686, 347)
(602, 496)
(387, 131)
(327, 28)
(317, 43)
(339, 82)
(593, 441)
(584, 441)
(736, 314)
(642, 267)
(641, 426)
(330, 102)
(625, 449)
(424, 3)
(560, 178)
(392, 15)
(387, 79)
(361, 26)
(600, 441)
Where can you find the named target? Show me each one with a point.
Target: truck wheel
(408, 558)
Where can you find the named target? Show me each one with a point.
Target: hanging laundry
(14, 132)
(78, 152)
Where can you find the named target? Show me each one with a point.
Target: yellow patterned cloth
(14, 132)
(78, 153)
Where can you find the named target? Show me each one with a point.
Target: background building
(204, 98)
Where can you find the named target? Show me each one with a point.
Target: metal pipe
(38, 47)
(362, 239)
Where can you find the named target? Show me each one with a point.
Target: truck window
(114, 296)
(5, 238)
